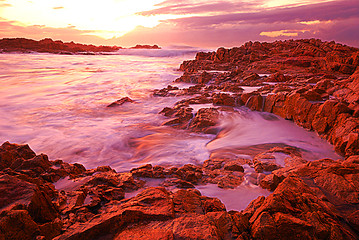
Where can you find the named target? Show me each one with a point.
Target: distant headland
(47, 45)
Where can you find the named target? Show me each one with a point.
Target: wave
(159, 52)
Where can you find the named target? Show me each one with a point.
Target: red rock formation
(315, 200)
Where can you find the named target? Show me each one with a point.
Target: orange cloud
(57, 8)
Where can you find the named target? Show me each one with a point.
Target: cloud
(4, 5)
(187, 7)
(319, 11)
(57, 8)
(219, 23)
(336, 20)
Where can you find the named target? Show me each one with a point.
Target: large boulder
(10, 153)
(19, 194)
(294, 211)
(153, 204)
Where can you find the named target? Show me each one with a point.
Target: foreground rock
(313, 200)
(293, 211)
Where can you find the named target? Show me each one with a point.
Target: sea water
(58, 105)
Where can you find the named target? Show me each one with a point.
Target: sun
(106, 18)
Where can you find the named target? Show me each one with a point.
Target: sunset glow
(174, 22)
(109, 19)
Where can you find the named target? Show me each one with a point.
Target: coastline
(47, 45)
(316, 86)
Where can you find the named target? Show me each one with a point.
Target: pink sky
(174, 22)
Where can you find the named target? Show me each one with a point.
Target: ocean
(58, 105)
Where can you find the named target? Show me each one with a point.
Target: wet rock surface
(313, 83)
(314, 200)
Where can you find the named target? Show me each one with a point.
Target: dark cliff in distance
(48, 45)
(138, 46)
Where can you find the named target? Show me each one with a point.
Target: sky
(199, 23)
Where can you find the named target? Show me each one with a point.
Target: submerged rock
(121, 102)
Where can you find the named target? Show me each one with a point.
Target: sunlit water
(57, 104)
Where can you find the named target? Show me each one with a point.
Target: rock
(205, 77)
(182, 116)
(189, 173)
(205, 120)
(121, 102)
(265, 162)
(270, 182)
(38, 164)
(18, 194)
(139, 46)
(168, 112)
(224, 99)
(50, 46)
(212, 205)
(52, 229)
(148, 231)
(110, 179)
(17, 224)
(311, 95)
(153, 204)
(233, 166)
(354, 85)
(187, 201)
(295, 210)
(9, 153)
(251, 77)
(165, 92)
(255, 102)
(229, 180)
(338, 179)
(143, 171)
(73, 170)
(213, 163)
(277, 77)
(194, 227)
(326, 115)
(179, 183)
(294, 162)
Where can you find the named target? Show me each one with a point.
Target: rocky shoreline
(313, 83)
(47, 45)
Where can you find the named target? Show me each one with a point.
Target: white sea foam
(166, 52)
(246, 128)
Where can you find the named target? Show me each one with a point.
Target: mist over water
(57, 105)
